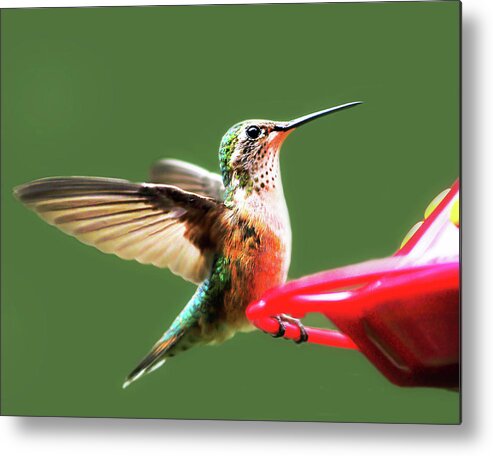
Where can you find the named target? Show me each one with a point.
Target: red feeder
(401, 312)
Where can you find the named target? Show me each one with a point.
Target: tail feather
(181, 335)
(154, 360)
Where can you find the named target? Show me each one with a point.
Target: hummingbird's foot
(281, 319)
(303, 334)
(294, 321)
(282, 328)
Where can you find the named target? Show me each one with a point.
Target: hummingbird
(230, 233)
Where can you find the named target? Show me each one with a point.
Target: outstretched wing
(153, 224)
(191, 178)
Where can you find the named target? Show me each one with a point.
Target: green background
(106, 91)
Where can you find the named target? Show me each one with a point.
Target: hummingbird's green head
(249, 151)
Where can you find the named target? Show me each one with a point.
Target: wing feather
(145, 222)
(189, 177)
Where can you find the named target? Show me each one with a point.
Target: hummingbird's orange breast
(259, 259)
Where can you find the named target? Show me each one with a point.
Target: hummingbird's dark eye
(253, 132)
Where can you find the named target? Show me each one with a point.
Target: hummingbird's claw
(282, 328)
(303, 334)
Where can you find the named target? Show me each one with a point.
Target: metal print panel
(159, 135)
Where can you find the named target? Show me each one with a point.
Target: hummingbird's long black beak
(286, 126)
